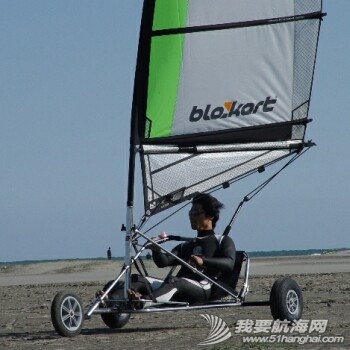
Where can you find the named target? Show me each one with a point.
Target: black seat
(237, 267)
(218, 293)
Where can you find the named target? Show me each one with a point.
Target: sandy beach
(27, 292)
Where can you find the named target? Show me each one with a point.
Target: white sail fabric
(173, 174)
(221, 88)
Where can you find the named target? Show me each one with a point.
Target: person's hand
(198, 260)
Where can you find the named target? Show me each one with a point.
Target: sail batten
(223, 26)
(221, 88)
(151, 149)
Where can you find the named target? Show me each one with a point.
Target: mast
(138, 104)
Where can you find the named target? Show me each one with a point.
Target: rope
(258, 189)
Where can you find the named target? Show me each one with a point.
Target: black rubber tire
(67, 314)
(115, 320)
(286, 300)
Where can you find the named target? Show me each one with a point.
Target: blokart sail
(222, 88)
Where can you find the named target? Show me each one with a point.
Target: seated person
(213, 256)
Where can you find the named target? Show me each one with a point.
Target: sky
(66, 82)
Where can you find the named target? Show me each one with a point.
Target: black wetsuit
(218, 254)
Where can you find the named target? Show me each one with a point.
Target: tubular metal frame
(238, 300)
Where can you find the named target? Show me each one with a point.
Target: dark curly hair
(211, 206)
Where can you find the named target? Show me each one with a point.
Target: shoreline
(253, 254)
(67, 271)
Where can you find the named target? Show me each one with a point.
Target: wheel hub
(292, 302)
(71, 313)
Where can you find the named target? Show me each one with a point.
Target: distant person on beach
(109, 254)
(214, 256)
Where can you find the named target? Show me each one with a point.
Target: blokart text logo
(232, 108)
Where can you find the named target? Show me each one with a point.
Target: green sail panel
(165, 66)
(170, 14)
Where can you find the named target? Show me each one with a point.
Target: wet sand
(27, 292)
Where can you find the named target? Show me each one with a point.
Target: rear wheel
(67, 314)
(286, 300)
(116, 319)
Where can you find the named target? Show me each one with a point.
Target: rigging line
(145, 218)
(166, 218)
(253, 193)
(142, 222)
(243, 176)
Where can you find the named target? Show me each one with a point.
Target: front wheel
(67, 314)
(286, 300)
(116, 319)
